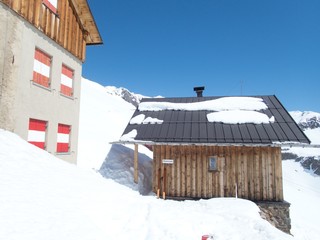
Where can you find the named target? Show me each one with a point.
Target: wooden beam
(135, 163)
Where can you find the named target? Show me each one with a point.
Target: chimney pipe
(198, 90)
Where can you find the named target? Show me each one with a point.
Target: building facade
(42, 45)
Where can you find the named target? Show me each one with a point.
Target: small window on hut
(213, 166)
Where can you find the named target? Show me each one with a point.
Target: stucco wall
(20, 98)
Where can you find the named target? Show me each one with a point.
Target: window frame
(213, 167)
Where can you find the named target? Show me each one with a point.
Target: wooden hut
(207, 147)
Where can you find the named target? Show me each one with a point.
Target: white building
(42, 48)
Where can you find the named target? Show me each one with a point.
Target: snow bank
(301, 189)
(43, 197)
(103, 118)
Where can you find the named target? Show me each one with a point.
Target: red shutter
(66, 81)
(41, 68)
(63, 138)
(51, 4)
(37, 132)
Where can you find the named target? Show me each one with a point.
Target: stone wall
(277, 213)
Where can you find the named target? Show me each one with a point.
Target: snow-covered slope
(103, 117)
(42, 197)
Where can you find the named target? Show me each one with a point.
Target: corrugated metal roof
(182, 127)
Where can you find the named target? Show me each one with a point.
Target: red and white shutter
(51, 4)
(37, 132)
(66, 81)
(63, 138)
(41, 68)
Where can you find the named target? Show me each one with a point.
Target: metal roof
(192, 127)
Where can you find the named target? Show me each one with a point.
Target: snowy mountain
(309, 158)
(125, 94)
(306, 120)
(42, 197)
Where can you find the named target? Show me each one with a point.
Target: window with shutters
(37, 133)
(66, 85)
(51, 4)
(63, 138)
(41, 68)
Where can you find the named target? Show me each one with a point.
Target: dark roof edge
(292, 119)
(285, 144)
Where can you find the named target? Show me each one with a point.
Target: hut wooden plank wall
(64, 26)
(247, 172)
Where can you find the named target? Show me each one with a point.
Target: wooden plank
(188, 172)
(251, 177)
(16, 6)
(37, 11)
(204, 172)
(193, 171)
(62, 14)
(232, 176)
(70, 24)
(183, 172)
(154, 169)
(256, 165)
(135, 164)
(24, 8)
(264, 174)
(30, 8)
(178, 171)
(280, 180)
(221, 175)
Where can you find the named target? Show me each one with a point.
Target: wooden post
(135, 163)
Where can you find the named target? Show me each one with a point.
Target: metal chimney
(199, 91)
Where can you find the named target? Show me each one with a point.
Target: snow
(103, 118)
(239, 116)
(42, 197)
(220, 104)
(299, 116)
(151, 120)
(140, 119)
(312, 134)
(129, 136)
(232, 110)
(301, 189)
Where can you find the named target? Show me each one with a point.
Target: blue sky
(232, 47)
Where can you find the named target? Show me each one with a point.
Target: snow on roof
(220, 104)
(129, 136)
(140, 119)
(137, 119)
(229, 110)
(239, 116)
